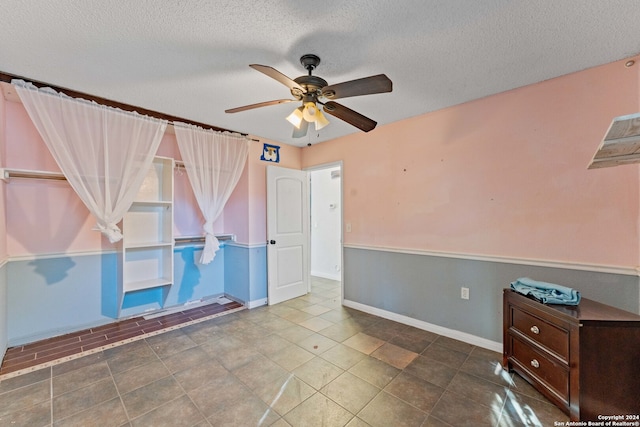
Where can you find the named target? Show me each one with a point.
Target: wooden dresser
(585, 358)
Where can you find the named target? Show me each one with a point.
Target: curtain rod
(6, 78)
(8, 173)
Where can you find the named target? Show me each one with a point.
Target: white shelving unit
(146, 255)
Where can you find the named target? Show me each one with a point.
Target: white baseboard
(450, 333)
(337, 277)
(256, 303)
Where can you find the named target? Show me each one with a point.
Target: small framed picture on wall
(270, 153)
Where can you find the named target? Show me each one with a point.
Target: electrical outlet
(348, 227)
(464, 293)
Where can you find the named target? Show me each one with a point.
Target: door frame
(323, 166)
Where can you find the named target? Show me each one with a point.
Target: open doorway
(326, 226)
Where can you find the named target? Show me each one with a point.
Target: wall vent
(621, 143)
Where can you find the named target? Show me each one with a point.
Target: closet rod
(200, 239)
(21, 173)
(7, 174)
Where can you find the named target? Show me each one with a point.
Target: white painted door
(287, 234)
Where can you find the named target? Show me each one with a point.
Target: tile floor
(24, 358)
(305, 362)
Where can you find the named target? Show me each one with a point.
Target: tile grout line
(172, 374)
(124, 407)
(137, 338)
(446, 389)
(318, 391)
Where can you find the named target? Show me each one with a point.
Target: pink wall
(42, 216)
(505, 175)
(45, 216)
(236, 211)
(245, 213)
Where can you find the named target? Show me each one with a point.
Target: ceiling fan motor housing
(312, 85)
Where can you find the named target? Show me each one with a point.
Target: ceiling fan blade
(258, 105)
(363, 86)
(277, 75)
(348, 115)
(302, 130)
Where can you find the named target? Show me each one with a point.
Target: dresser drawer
(554, 374)
(542, 332)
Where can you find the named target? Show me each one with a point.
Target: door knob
(272, 242)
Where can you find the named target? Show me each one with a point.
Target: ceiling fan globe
(296, 117)
(310, 112)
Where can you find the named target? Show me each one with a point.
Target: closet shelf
(146, 245)
(146, 284)
(146, 251)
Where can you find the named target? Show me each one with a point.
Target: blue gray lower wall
(192, 280)
(52, 296)
(245, 273)
(427, 287)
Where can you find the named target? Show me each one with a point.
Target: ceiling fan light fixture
(296, 117)
(310, 112)
(321, 120)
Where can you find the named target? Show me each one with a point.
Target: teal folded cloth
(547, 293)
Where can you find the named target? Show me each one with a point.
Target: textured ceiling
(190, 58)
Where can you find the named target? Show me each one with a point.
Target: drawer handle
(535, 363)
(535, 329)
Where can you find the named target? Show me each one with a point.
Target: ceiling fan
(312, 90)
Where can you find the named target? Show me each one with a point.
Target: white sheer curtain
(103, 152)
(214, 163)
